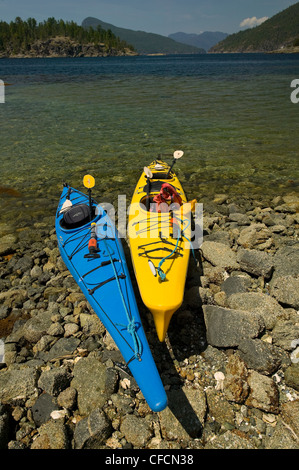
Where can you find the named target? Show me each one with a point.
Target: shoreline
(228, 364)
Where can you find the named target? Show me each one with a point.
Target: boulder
(261, 304)
(227, 327)
(219, 254)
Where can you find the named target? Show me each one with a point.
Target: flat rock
(185, 414)
(286, 261)
(260, 356)
(264, 305)
(256, 262)
(235, 285)
(94, 384)
(18, 384)
(286, 290)
(227, 327)
(42, 409)
(219, 254)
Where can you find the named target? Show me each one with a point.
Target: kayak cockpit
(77, 216)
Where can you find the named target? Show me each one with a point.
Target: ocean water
(231, 114)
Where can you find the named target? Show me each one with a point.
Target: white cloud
(254, 21)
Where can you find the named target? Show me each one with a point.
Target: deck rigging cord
(131, 326)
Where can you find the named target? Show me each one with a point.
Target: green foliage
(18, 35)
(277, 32)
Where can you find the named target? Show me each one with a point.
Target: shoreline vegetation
(57, 38)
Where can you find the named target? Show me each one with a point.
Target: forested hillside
(31, 38)
(281, 32)
(143, 42)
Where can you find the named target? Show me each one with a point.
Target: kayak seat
(76, 216)
(162, 176)
(155, 186)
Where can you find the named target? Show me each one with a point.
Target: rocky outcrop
(65, 47)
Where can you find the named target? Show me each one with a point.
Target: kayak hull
(152, 239)
(105, 281)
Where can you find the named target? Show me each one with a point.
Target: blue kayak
(92, 251)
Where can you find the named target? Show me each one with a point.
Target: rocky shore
(65, 47)
(230, 363)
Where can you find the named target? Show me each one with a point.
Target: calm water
(231, 114)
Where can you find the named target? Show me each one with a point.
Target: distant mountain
(204, 40)
(144, 43)
(279, 33)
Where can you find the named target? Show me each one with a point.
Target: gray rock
(137, 431)
(18, 384)
(286, 261)
(185, 414)
(263, 393)
(36, 272)
(291, 376)
(13, 297)
(220, 255)
(285, 332)
(256, 262)
(235, 285)
(256, 235)
(52, 435)
(24, 264)
(260, 356)
(42, 409)
(123, 403)
(93, 384)
(92, 432)
(261, 304)
(8, 244)
(37, 326)
(286, 290)
(226, 327)
(63, 347)
(55, 380)
(240, 219)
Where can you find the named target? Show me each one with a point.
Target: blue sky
(156, 16)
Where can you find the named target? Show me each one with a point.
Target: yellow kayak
(159, 231)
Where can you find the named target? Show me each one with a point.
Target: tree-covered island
(58, 38)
